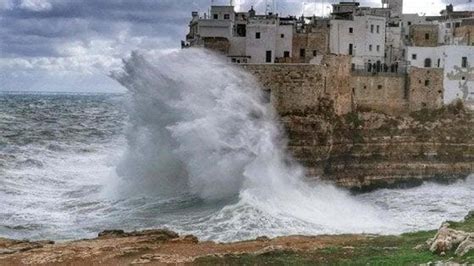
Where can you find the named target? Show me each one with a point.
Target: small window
(379, 87)
(378, 48)
(282, 36)
(413, 56)
(427, 36)
(464, 62)
(378, 28)
(351, 49)
(427, 82)
(216, 16)
(448, 25)
(302, 53)
(463, 78)
(457, 25)
(286, 54)
(351, 30)
(409, 23)
(315, 53)
(428, 62)
(370, 47)
(257, 35)
(226, 16)
(439, 62)
(372, 28)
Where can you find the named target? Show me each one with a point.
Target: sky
(72, 45)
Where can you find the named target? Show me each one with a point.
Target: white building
(268, 39)
(458, 64)
(363, 37)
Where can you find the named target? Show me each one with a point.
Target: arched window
(428, 62)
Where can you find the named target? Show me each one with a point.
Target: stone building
(397, 62)
(362, 37)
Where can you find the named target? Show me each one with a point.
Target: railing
(382, 70)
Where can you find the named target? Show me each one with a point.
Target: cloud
(35, 5)
(92, 36)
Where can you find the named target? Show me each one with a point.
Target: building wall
(459, 81)
(464, 35)
(215, 28)
(284, 40)
(426, 88)
(301, 87)
(365, 42)
(256, 48)
(394, 46)
(384, 93)
(424, 35)
(316, 39)
(423, 53)
(396, 7)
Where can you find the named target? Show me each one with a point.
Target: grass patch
(380, 250)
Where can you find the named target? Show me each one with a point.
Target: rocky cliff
(365, 150)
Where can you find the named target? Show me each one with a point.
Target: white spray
(200, 126)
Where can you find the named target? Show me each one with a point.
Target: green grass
(380, 250)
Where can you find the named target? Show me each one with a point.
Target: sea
(201, 155)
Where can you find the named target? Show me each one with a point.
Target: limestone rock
(466, 246)
(447, 239)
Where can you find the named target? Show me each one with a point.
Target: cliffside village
(377, 58)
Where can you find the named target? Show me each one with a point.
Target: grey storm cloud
(42, 38)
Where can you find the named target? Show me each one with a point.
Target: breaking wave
(201, 127)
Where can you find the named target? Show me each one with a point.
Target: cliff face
(367, 150)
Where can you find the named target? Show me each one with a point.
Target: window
(378, 28)
(370, 47)
(448, 25)
(464, 62)
(379, 87)
(413, 56)
(257, 35)
(286, 54)
(439, 62)
(427, 82)
(241, 30)
(282, 36)
(457, 25)
(427, 36)
(268, 57)
(428, 62)
(351, 49)
(216, 16)
(372, 28)
(378, 48)
(409, 23)
(226, 16)
(351, 30)
(315, 53)
(302, 53)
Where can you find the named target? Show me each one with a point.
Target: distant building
(380, 42)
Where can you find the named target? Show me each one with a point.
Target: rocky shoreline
(452, 243)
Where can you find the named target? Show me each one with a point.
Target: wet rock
(112, 233)
(263, 239)
(154, 235)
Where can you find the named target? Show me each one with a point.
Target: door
(268, 58)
